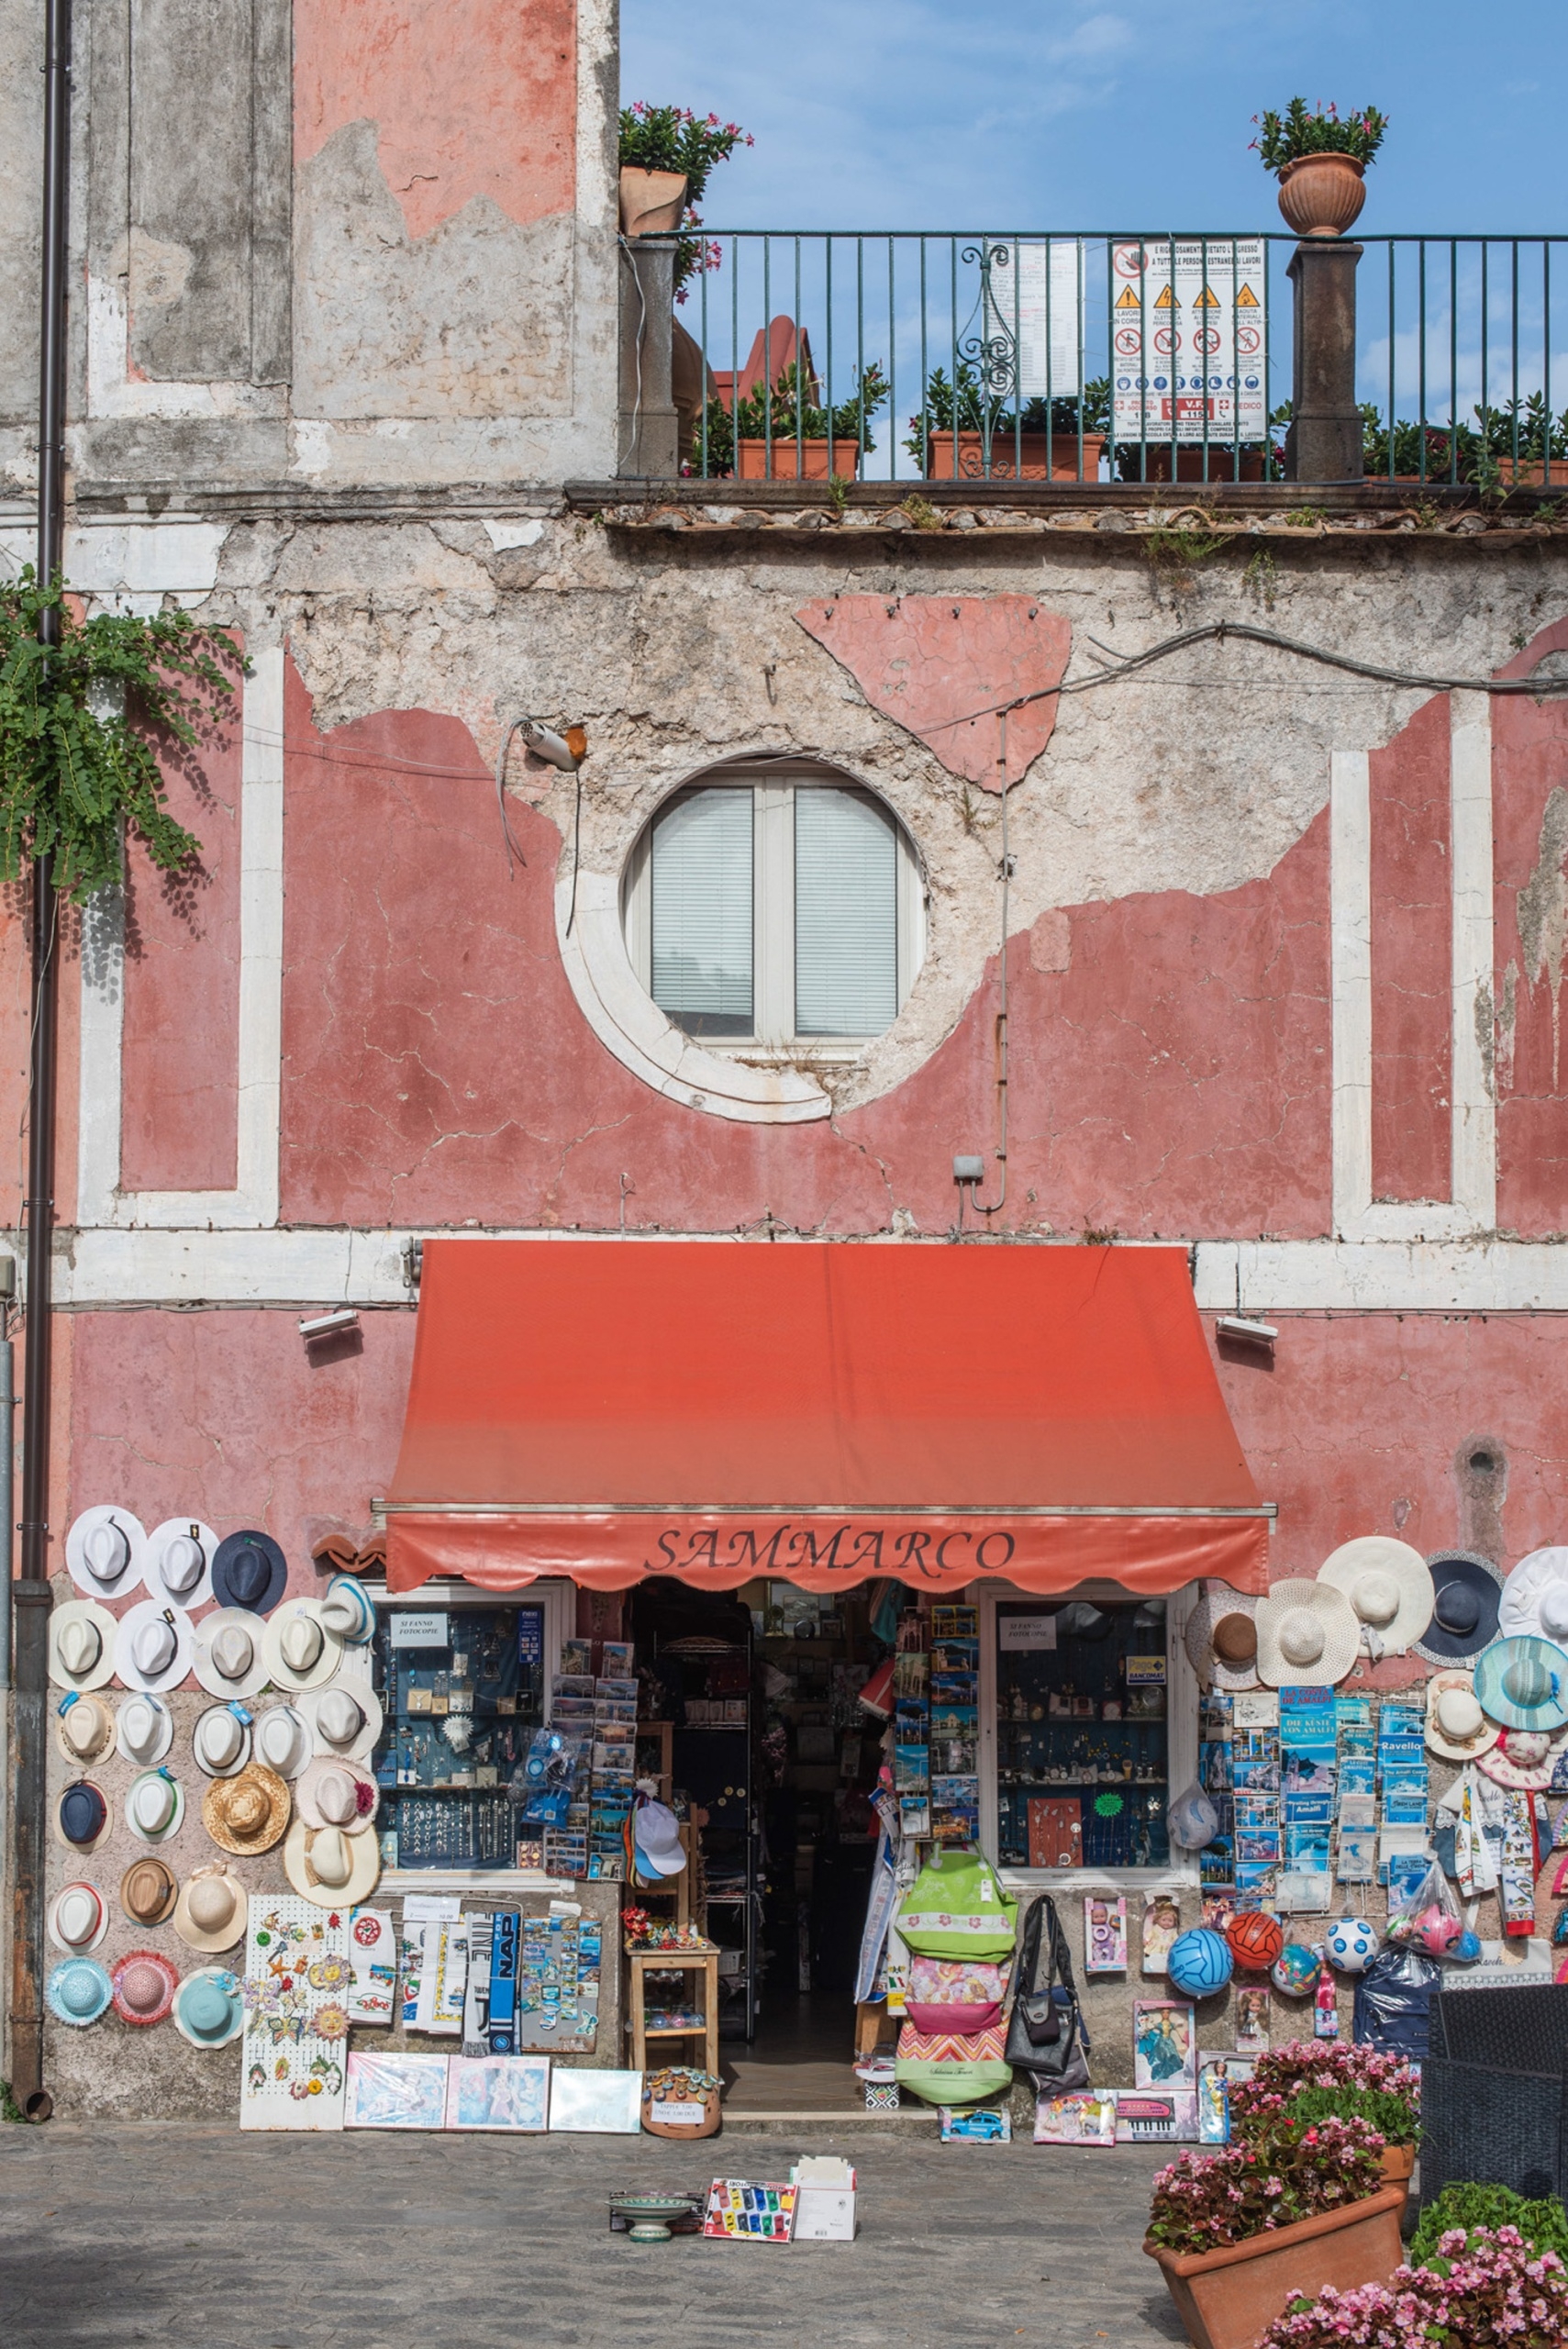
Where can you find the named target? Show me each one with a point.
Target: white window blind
(846, 916)
(701, 890)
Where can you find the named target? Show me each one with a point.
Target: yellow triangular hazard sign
(1208, 299)
(1166, 299)
(1128, 300)
(1247, 299)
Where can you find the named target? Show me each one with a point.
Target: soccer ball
(1256, 1940)
(1350, 1943)
(1295, 1971)
(1199, 1963)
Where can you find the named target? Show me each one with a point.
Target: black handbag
(1046, 2036)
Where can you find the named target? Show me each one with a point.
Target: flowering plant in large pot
(666, 155)
(1316, 2079)
(1479, 2288)
(1320, 157)
(962, 432)
(788, 434)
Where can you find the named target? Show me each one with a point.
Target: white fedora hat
(1535, 1597)
(220, 1741)
(84, 1727)
(78, 1918)
(346, 1609)
(1456, 1726)
(178, 1561)
(1390, 1586)
(344, 1718)
(227, 1656)
(153, 1647)
(336, 1794)
(154, 1806)
(145, 1730)
(331, 1869)
(210, 1912)
(1221, 1638)
(301, 1651)
(81, 1636)
(1309, 1635)
(103, 1552)
(280, 1738)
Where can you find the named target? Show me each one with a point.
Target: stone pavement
(200, 2238)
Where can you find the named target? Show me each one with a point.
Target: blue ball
(1199, 1963)
(1466, 1949)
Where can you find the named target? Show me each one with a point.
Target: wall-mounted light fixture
(566, 751)
(1247, 1333)
(328, 1325)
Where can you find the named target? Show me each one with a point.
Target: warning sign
(1188, 336)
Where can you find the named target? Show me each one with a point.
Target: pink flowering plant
(1320, 130)
(1321, 2079)
(674, 138)
(1284, 2170)
(1481, 2290)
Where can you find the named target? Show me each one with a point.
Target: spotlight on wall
(328, 1325)
(1246, 1334)
(566, 752)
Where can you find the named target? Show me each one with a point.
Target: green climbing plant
(78, 724)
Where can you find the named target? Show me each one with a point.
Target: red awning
(715, 1410)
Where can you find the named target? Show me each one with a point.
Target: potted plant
(1471, 2286)
(1313, 2080)
(1286, 2210)
(1320, 161)
(962, 434)
(786, 433)
(666, 155)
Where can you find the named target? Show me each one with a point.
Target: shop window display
(1082, 1766)
(462, 1691)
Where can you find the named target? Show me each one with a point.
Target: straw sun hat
(331, 1869)
(248, 1813)
(1222, 1638)
(1309, 1635)
(148, 1890)
(1456, 1726)
(210, 1912)
(81, 1636)
(84, 1730)
(1389, 1584)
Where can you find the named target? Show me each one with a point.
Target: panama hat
(177, 1565)
(334, 1870)
(103, 1552)
(82, 1644)
(1308, 1636)
(301, 1651)
(78, 1992)
(145, 1730)
(1523, 1684)
(155, 1806)
(248, 1813)
(1456, 1726)
(331, 1793)
(250, 1570)
(344, 1718)
(85, 1728)
(220, 1741)
(144, 1984)
(78, 1918)
(227, 1657)
(210, 2007)
(280, 1738)
(1523, 1758)
(1222, 1639)
(148, 1890)
(346, 1610)
(1535, 1597)
(210, 1912)
(1389, 1584)
(82, 1815)
(1467, 1596)
(152, 1648)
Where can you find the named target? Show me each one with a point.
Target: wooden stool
(643, 1962)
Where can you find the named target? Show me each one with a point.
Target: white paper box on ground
(824, 2209)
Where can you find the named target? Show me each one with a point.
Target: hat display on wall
(1467, 1592)
(346, 1609)
(301, 1651)
(330, 1793)
(152, 1648)
(82, 1644)
(143, 1984)
(226, 1653)
(1523, 1758)
(103, 1552)
(78, 1992)
(210, 1914)
(210, 2007)
(247, 1813)
(280, 1738)
(221, 1741)
(1523, 1684)
(148, 1890)
(1308, 1636)
(331, 1869)
(1389, 1584)
(85, 1728)
(82, 1815)
(177, 1562)
(250, 1570)
(154, 1806)
(145, 1730)
(1456, 1726)
(1222, 1638)
(344, 1718)
(1535, 1597)
(78, 1918)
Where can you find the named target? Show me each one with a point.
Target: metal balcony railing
(905, 357)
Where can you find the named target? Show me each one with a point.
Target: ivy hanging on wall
(79, 720)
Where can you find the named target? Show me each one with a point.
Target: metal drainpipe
(31, 1594)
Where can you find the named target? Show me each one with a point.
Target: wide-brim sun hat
(250, 1570)
(78, 1918)
(220, 1741)
(227, 1654)
(1389, 1586)
(103, 1552)
(144, 1984)
(1457, 1729)
(328, 1868)
(153, 1647)
(210, 2007)
(329, 1714)
(83, 1729)
(347, 1608)
(148, 1890)
(1309, 1635)
(1221, 1638)
(1467, 1592)
(82, 1634)
(301, 1651)
(1523, 1759)
(82, 1817)
(144, 1731)
(248, 1813)
(177, 1566)
(78, 1992)
(210, 1914)
(1523, 1684)
(332, 1793)
(280, 1738)
(1535, 1597)
(154, 1806)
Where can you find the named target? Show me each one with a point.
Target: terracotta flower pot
(795, 460)
(1321, 195)
(1052, 457)
(1228, 2299)
(651, 203)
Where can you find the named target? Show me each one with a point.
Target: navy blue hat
(83, 1814)
(1468, 1592)
(249, 1570)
